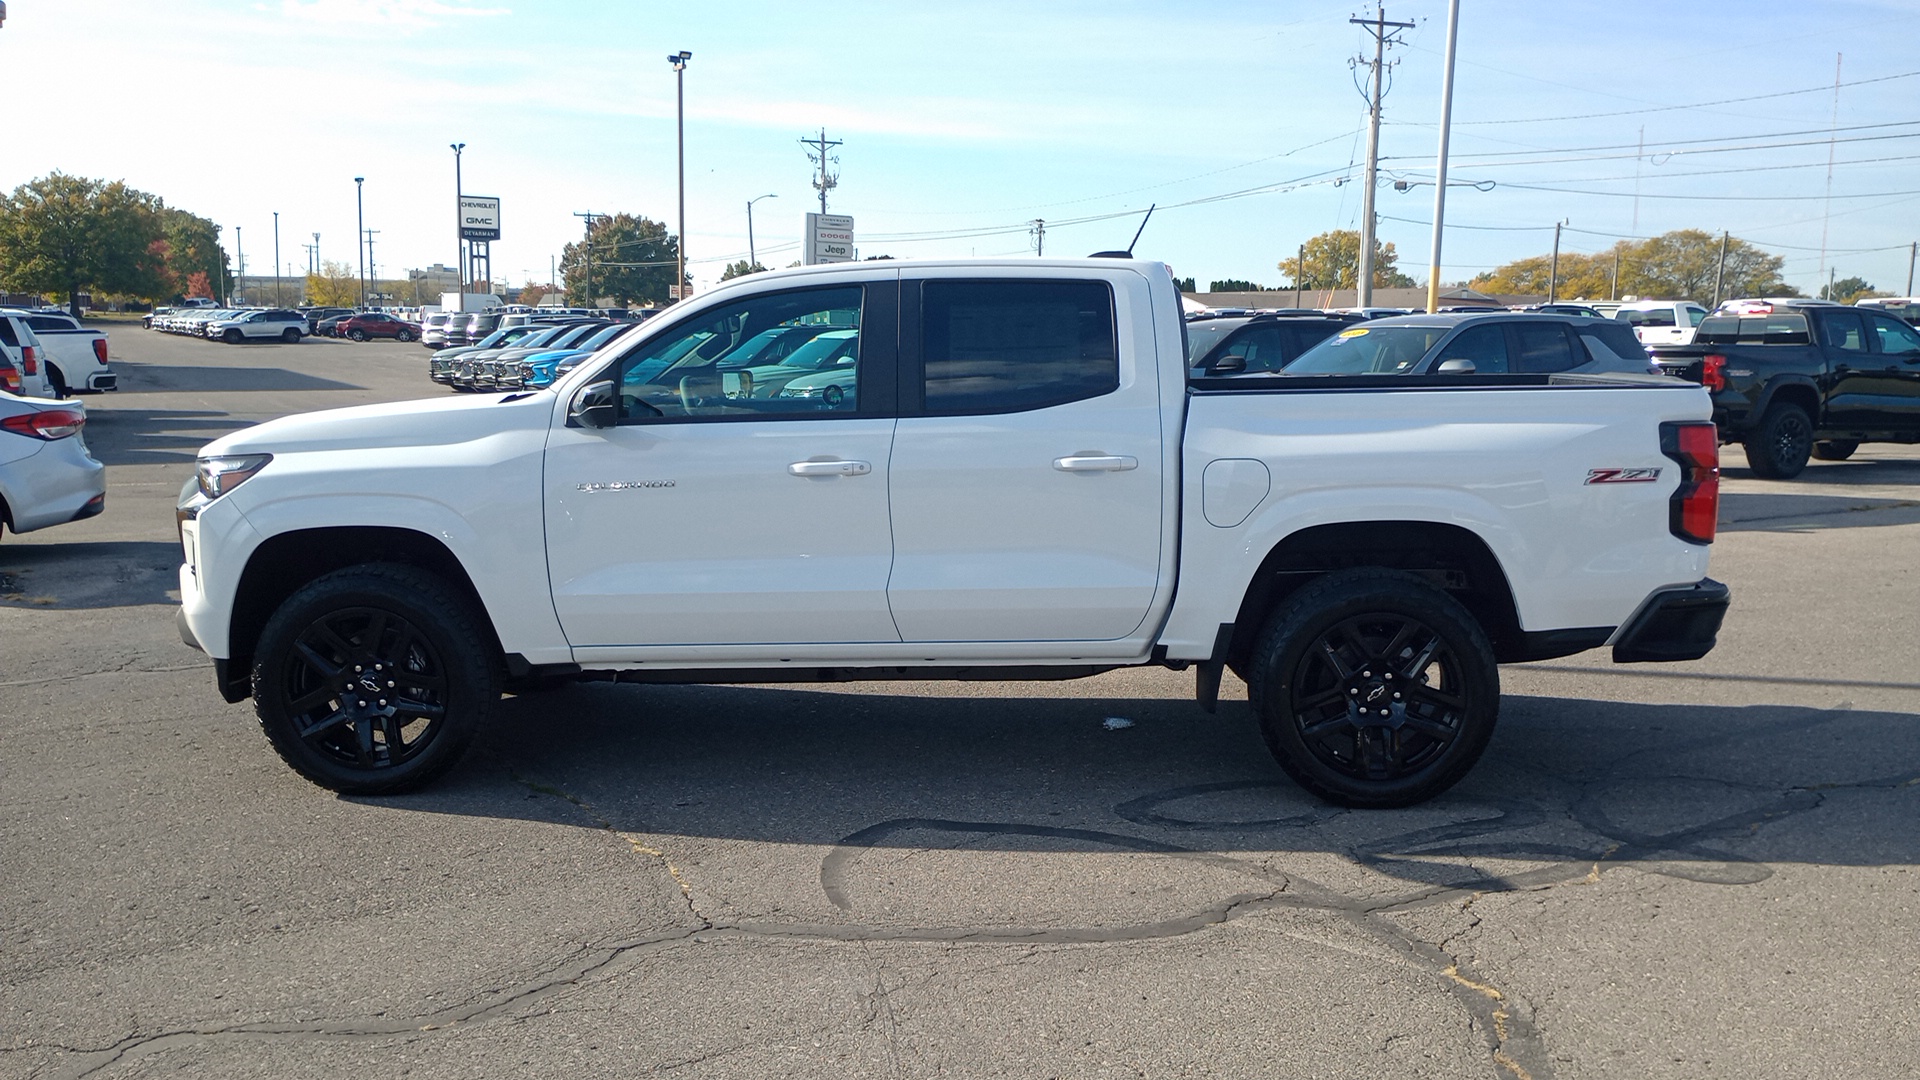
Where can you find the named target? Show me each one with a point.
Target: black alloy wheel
(1374, 689)
(1781, 443)
(1835, 449)
(373, 679)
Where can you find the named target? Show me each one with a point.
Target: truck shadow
(92, 574)
(1708, 793)
(139, 378)
(1792, 511)
(154, 436)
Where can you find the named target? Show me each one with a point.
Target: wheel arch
(1792, 390)
(284, 562)
(1455, 559)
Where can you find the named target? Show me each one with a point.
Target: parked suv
(316, 314)
(276, 324)
(1478, 343)
(373, 324)
(1261, 343)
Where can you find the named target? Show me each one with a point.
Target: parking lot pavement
(1696, 870)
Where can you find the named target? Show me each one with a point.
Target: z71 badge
(1623, 476)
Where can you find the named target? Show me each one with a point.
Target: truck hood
(396, 424)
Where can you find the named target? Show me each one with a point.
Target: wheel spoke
(1367, 752)
(1435, 696)
(323, 727)
(426, 710)
(1387, 656)
(308, 702)
(339, 644)
(390, 730)
(1422, 656)
(327, 668)
(1331, 643)
(1320, 729)
(1320, 700)
(1432, 729)
(363, 744)
(370, 637)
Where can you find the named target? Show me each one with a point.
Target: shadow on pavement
(154, 436)
(1794, 511)
(1703, 792)
(57, 574)
(136, 378)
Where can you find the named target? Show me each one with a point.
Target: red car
(373, 324)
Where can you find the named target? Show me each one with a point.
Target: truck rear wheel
(1373, 688)
(372, 680)
(1835, 449)
(1780, 444)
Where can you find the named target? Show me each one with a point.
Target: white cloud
(406, 13)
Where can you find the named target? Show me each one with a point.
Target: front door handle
(1096, 463)
(830, 468)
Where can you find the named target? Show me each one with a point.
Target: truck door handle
(1096, 463)
(830, 468)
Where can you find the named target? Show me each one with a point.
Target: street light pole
(277, 301)
(240, 256)
(1440, 178)
(360, 209)
(679, 62)
(459, 223)
(753, 261)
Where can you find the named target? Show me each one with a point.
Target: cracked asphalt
(1694, 870)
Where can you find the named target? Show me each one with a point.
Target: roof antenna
(1128, 254)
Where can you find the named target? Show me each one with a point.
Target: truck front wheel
(1780, 444)
(1373, 688)
(373, 679)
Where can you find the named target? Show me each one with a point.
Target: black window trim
(911, 368)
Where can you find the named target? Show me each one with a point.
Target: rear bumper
(103, 380)
(1680, 623)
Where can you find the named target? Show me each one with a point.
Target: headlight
(219, 475)
(799, 391)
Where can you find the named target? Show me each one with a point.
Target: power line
(1701, 142)
(1695, 105)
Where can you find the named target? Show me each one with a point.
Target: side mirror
(593, 406)
(1229, 363)
(1455, 367)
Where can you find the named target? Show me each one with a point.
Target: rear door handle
(830, 468)
(1096, 463)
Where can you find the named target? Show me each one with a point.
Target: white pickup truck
(76, 356)
(1662, 322)
(1020, 481)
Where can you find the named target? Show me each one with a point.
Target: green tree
(741, 269)
(1333, 262)
(1235, 285)
(193, 247)
(1185, 285)
(68, 234)
(532, 292)
(336, 285)
(633, 261)
(1847, 290)
(1681, 265)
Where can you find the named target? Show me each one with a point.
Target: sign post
(829, 239)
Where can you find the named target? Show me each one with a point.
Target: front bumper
(1680, 623)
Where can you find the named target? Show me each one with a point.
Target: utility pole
(1039, 234)
(588, 283)
(1383, 34)
(1912, 250)
(679, 62)
(316, 253)
(753, 261)
(1299, 273)
(1830, 273)
(373, 268)
(1440, 170)
(360, 208)
(277, 301)
(240, 256)
(1553, 274)
(1720, 272)
(1613, 286)
(819, 156)
(460, 223)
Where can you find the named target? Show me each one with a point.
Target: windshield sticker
(1358, 331)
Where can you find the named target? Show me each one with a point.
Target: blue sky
(963, 120)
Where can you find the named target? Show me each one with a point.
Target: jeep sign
(829, 239)
(479, 217)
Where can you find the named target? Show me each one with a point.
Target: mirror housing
(594, 406)
(1455, 367)
(1229, 363)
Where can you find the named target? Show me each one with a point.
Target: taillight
(100, 349)
(1713, 371)
(1694, 507)
(9, 379)
(30, 358)
(45, 424)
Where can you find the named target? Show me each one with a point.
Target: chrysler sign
(479, 217)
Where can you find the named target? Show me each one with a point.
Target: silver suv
(275, 324)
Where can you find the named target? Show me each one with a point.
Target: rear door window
(1005, 346)
(1894, 337)
(1485, 345)
(7, 336)
(1843, 331)
(1542, 347)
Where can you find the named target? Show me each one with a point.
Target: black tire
(357, 335)
(332, 642)
(58, 380)
(290, 336)
(231, 336)
(1352, 645)
(1780, 444)
(1835, 449)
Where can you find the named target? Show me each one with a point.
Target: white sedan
(47, 476)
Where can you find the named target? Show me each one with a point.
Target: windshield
(1369, 350)
(605, 335)
(820, 351)
(769, 346)
(1203, 335)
